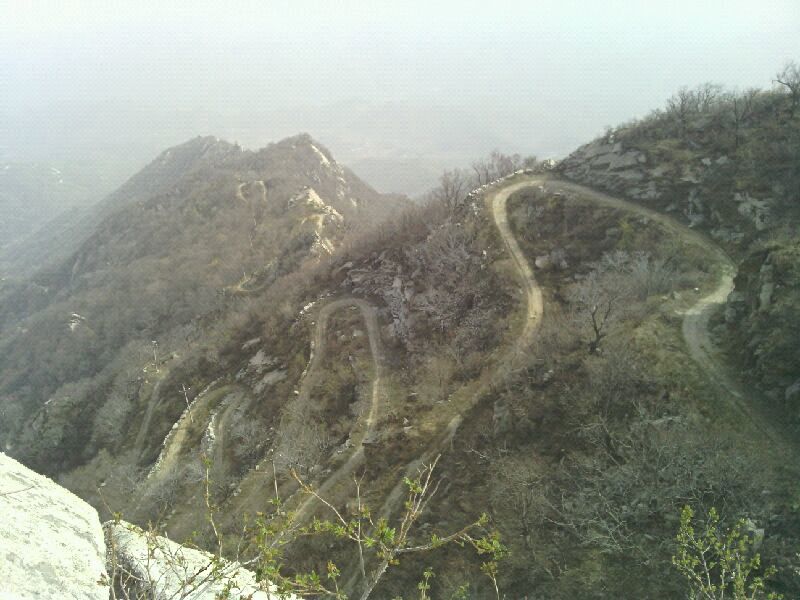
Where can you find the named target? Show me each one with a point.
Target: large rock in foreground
(152, 566)
(51, 541)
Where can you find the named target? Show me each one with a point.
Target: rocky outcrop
(53, 546)
(760, 316)
(147, 564)
(684, 184)
(609, 165)
(51, 541)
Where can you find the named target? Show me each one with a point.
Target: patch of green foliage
(720, 563)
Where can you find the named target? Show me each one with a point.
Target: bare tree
(599, 300)
(452, 190)
(483, 171)
(741, 109)
(789, 78)
(680, 107)
(687, 104)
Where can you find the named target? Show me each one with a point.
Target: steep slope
(170, 250)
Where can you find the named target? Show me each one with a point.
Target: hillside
(727, 164)
(179, 244)
(248, 342)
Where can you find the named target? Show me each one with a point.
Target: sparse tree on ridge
(789, 78)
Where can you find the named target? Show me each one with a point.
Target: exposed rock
(164, 569)
(51, 542)
(625, 161)
(726, 234)
(612, 167)
(695, 211)
(260, 361)
(757, 211)
(792, 393)
(542, 262)
(502, 421)
(269, 379)
(648, 192)
(756, 533)
(559, 258)
(765, 295)
(556, 259)
(735, 307)
(767, 286)
(250, 343)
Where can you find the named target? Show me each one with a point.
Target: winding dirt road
(695, 323)
(695, 327)
(356, 459)
(496, 201)
(200, 407)
(251, 498)
(152, 403)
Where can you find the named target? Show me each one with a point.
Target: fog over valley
(392, 89)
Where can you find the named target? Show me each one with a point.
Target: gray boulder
(51, 541)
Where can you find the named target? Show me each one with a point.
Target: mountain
(201, 226)
(574, 369)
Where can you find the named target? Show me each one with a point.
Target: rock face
(156, 567)
(51, 541)
(613, 167)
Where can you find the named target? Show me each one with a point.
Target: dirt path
(695, 327)
(219, 425)
(191, 418)
(144, 428)
(534, 305)
(303, 511)
(695, 323)
(496, 200)
(252, 496)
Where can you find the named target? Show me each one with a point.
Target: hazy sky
(371, 79)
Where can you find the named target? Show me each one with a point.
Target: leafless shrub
(247, 436)
(127, 476)
(603, 297)
(614, 377)
(634, 478)
(650, 275)
(301, 441)
(599, 301)
(162, 490)
(111, 420)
